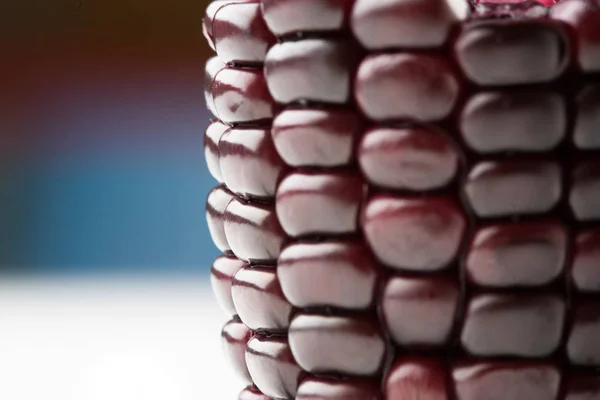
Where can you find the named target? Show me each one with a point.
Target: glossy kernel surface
(318, 70)
(315, 203)
(212, 137)
(514, 121)
(221, 277)
(209, 16)
(415, 158)
(213, 66)
(259, 300)
(585, 190)
(249, 163)
(406, 86)
(318, 388)
(397, 23)
(251, 393)
(587, 135)
(336, 344)
(241, 96)
(415, 234)
(511, 52)
(316, 137)
(253, 231)
(584, 18)
(216, 204)
(517, 255)
(498, 189)
(234, 338)
(583, 346)
(240, 34)
(289, 16)
(332, 273)
(506, 380)
(525, 325)
(583, 387)
(272, 366)
(586, 261)
(417, 378)
(420, 311)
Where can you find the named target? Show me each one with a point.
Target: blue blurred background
(101, 130)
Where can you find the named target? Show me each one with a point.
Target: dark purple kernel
(402, 24)
(249, 163)
(221, 276)
(586, 261)
(417, 378)
(583, 17)
(414, 234)
(272, 366)
(514, 380)
(583, 346)
(212, 137)
(259, 300)
(341, 274)
(320, 388)
(420, 311)
(216, 203)
(240, 35)
(514, 121)
(213, 66)
(583, 387)
(511, 52)
(241, 96)
(416, 158)
(517, 255)
(337, 345)
(401, 86)
(251, 393)
(234, 338)
(316, 137)
(500, 189)
(209, 16)
(290, 16)
(315, 70)
(523, 325)
(253, 231)
(315, 203)
(587, 134)
(585, 190)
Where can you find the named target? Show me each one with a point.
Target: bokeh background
(104, 249)
(103, 113)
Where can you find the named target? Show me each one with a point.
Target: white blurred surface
(102, 339)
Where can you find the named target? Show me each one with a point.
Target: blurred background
(102, 108)
(103, 244)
